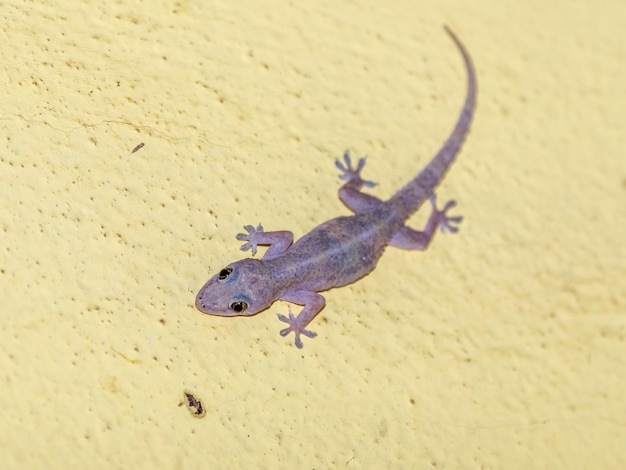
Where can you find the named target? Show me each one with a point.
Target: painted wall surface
(500, 347)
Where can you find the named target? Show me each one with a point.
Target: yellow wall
(500, 347)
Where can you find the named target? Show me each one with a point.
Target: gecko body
(343, 249)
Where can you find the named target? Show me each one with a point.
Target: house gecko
(343, 249)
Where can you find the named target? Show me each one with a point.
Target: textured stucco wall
(500, 347)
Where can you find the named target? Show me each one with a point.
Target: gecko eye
(224, 273)
(238, 306)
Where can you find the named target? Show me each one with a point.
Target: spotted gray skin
(341, 250)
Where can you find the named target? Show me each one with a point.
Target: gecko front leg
(313, 303)
(278, 241)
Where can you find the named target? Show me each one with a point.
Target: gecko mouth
(203, 305)
(206, 306)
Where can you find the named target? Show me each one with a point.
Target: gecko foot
(446, 223)
(296, 327)
(251, 238)
(350, 174)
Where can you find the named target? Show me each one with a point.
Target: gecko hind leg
(350, 193)
(410, 239)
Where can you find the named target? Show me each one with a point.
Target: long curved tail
(408, 199)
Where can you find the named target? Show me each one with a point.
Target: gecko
(343, 249)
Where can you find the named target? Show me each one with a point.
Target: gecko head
(241, 288)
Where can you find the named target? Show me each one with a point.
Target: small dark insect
(137, 147)
(194, 405)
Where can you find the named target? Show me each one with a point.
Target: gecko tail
(408, 199)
